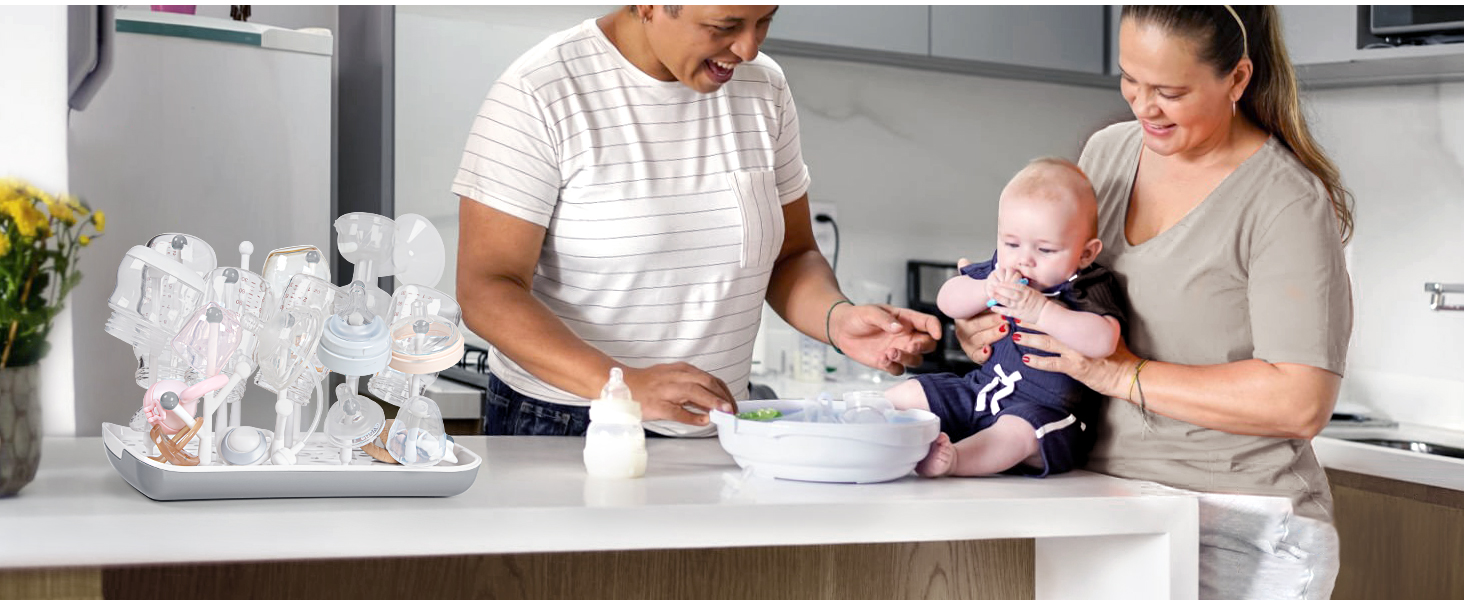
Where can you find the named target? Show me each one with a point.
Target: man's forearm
(525, 330)
(802, 289)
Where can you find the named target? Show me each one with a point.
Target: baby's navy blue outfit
(1056, 405)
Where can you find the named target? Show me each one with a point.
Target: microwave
(1415, 20)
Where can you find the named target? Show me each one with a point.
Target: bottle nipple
(615, 390)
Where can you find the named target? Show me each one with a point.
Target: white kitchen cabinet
(903, 28)
(1313, 34)
(1063, 38)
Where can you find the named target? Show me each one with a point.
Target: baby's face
(1044, 239)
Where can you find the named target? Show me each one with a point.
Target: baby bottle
(615, 444)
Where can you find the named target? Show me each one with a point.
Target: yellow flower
(4, 245)
(61, 210)
(28, 219)
(76, 205)
(99, 219)
(85, 240)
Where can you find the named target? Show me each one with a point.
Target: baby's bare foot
(941, 460)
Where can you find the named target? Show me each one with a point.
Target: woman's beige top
(1254, 271)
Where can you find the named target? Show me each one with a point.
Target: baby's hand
(998, 276)
(1019, 301)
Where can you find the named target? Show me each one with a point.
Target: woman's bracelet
(828, 318)
(1135, 382)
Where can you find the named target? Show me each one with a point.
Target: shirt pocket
(762, 216)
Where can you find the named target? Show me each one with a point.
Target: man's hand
(882, 336)
(666, 391)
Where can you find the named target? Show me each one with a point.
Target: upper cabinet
(1058, 44)
(902, 29)
(1329, 45)
(1319, 34)
(1064, 38)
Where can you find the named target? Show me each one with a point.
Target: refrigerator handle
(89, 52)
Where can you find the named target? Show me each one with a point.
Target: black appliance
(923, 279)
(1392, 20)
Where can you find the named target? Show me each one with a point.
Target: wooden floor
(993, 569)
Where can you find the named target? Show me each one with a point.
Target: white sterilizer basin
(804, 446)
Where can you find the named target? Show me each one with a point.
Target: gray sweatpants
(1256, 548)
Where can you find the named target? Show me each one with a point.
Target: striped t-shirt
(662, 205)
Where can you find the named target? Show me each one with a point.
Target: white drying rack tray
(317, 474)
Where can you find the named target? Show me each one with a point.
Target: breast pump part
(306, 290)
(285, 344)
(243, 446)
(425, 344)
(153, 297)
(615, 443)
(390, 384)
(364, 237)
(866, 407)
(353, 421)
(243, 293)
(282, 264)
(417, 437)
(355, 341)
(164, 417)
(208, 339)
(248, 296)
(417, 253)
(190, 251)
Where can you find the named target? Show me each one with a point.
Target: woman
(632, 190)
(1225, 222)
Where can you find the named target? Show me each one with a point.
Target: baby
(1004, 417)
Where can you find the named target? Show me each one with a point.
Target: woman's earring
(1232, 109)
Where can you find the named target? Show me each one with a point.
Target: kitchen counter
(1335, 452)
(1096, 536)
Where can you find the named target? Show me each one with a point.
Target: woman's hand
(666, 391)
(978, 333)
(882, 336)
(1109, 376)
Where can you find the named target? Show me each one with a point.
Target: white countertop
(532, 495)
(1335, 452)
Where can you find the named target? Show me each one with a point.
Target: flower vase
(20, 427)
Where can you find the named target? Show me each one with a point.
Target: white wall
(1401, 151)
(446, 59)
(915, 160)
(33, 147)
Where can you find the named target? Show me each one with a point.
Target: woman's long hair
(1271, 99)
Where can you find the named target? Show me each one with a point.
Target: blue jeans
(507, 412)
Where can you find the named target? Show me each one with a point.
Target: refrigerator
(205, 126)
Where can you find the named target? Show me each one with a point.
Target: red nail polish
(1026, 359)
(1016, 337)
(1003, 329)
(1019, 321)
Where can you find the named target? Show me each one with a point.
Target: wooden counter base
(995, 569)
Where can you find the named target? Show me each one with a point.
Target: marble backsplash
(1400, 150)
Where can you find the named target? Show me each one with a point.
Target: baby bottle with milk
(615, 444)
